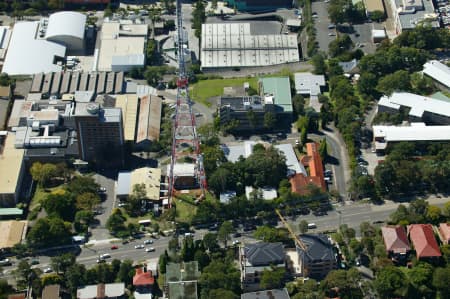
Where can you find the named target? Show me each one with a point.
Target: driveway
(107, 180)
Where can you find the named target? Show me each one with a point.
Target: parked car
(146, 242)
(140, 246)
(150, 249)
(5, 262)
(34, 262)
(48, 270)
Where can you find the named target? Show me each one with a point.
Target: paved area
(321, 24)
(363, 36)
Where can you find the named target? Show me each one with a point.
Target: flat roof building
(150, 177)
(267, 294)
(409, 13)
(309, 84)
(421, 108)
(102, 290)
(122, 46)
(439, 72)
(44, 56)
(12, 171)
(13, 232)
(373, 5)
(232, 45)
(100, 133)
(258, 6)
(385, 135)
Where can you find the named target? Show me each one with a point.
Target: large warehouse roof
(30, 55)
(66, 23)
(232, 45)
(120, 47)
(11, 160)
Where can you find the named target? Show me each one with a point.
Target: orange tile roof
(422, 237)
(444, 231)
(316, 177)
(142, 278)
(395, 239)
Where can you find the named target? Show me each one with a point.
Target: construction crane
(297, 242)
(184, 126)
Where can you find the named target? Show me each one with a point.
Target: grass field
(205, 89)
(185, 211)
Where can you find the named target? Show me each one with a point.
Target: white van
(312, 225)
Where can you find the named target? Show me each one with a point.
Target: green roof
(280, 87)
(11, 212)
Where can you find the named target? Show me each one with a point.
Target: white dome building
(67, 28)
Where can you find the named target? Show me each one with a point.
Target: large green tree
(391, 282)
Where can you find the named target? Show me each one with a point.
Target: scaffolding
(184, 126)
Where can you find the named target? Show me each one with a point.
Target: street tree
(225, 230)
(61, 263)
(303, 226)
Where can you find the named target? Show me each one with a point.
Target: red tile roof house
(444, 232)
(422, 237)
(143, 280)
(395, 239)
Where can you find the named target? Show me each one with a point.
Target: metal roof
(418, 104)
(308, 83)
(66, 23)
(438, 71)
(280, 88)
(21, 61)
(11, 161)
(123, 184)
(412, 133)
(263, 253)
(233, 45)
(128, 103)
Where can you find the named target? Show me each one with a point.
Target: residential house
(396, 242)
(423, 240)
(102, 291)
(300, 181)
(444, 233)
(257, 257)
(143, 281)
(267, 294)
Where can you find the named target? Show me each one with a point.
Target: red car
(114, 247)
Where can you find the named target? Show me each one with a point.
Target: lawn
(205, 89)
(185, 211)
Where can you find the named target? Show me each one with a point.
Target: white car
(148, 242)
(140, 246)
(48, 270)
(150, 249)
(105, 256)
